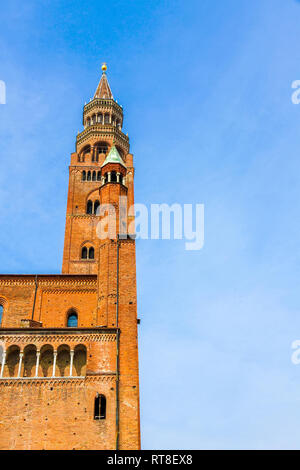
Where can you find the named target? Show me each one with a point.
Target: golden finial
(104, 67)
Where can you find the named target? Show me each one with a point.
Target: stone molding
(40, 337)
(47, 382)
(60, 282)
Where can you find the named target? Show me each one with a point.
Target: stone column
(37, 363)
(54, 363)
(3, 363)
(20, 363)
(109, 176)
(71, 363)
(118, 177)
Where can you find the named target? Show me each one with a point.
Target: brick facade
(76, 386)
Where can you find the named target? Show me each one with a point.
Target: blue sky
(206, 89)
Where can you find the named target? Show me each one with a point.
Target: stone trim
(44, 280)
(47, 382)
(40, 336)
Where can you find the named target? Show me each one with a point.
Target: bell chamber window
(88, 253)
(92, 207)
(100, 407)
(72, 319)
(89, 207)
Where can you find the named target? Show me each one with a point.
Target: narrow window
(72, 320)
(121, 179)
(94, 176)
(113, 177)
(89, 207)
(102, 148)
(96, 206)
(1, 313)
(100, 407)
(99, 176)
(106, 178)
(83, 175)
(84, 253)
(89, 176)
(91, 253)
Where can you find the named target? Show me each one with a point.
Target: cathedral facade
(68, 343)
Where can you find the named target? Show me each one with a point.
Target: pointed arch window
(89, 176)
(84, 175)
(72, 319)
(89, 207)
(91, 253)
(84, 253)
(100, 407)
(94, 176)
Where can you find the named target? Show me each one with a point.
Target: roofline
(48, 275)
(69, 330)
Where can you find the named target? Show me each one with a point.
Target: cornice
(102, 103)
(60, 280)
(101, 133)
(36, 336)
(47, 382)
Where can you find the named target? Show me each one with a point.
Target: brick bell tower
(102, 160)
(68, 343)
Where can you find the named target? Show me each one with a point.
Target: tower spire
(103, 89)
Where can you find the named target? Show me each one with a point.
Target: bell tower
(100, 177)
(102, 157)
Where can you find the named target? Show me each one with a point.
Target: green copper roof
(113, 157)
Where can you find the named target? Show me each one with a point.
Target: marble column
(71, 363)
(37, 363)
(54, 363)
(20, 363)
(3, 363)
